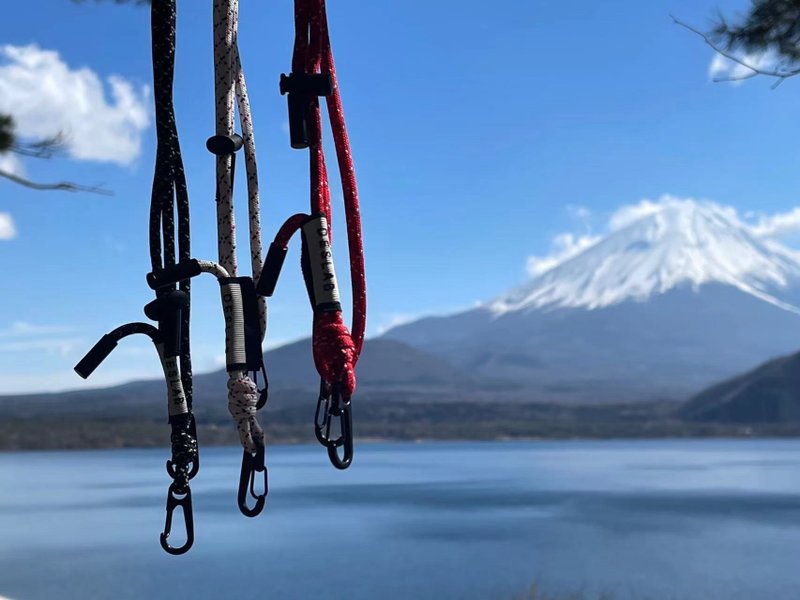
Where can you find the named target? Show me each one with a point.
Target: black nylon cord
(169, 181)
(169, 192)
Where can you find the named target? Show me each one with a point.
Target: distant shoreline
(23, 435)
(408, 442)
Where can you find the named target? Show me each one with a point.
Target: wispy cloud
(8, 231)
(563, 247)
(19, 329)
(62, 379)
(779, 224)
(630, 213)
(722, 68)
(395, 320)
(47, 97)
(60, 346)
(10, 163)
(27, 337)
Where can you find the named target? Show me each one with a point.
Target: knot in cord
(335, 352)
(184, 451)
(242, 404)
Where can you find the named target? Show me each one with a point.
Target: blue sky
(481, 133)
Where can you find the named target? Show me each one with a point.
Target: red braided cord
(347, 173)
(300, 36)
(287, 230)
(336, 351)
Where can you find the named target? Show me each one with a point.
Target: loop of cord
(230, 92)
(169, 182)
(242, 401)
(336, 349)
(170, 195)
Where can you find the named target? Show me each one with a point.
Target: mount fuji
(674, 298)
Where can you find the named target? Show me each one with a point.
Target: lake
(705, 519)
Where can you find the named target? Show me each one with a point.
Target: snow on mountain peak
(656, 247)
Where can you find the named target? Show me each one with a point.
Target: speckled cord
(230, 88)
(169, 193)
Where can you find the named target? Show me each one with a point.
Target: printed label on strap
(323, 276)
(176, 399)
(235, 355)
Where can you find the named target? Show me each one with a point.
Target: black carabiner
(329, 405)
(252, 464)
(321, 426)
(263, 393)
(345, 440)
(185, 502)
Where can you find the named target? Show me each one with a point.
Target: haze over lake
(703, 519)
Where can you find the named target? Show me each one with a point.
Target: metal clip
(175, 499)
(263, 393)
(252, 464)
(329, 405)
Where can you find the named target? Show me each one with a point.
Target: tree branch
(64, 186)
(780, 75)
(46, 148)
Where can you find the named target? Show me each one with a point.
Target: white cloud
(395, 320)
(564, 247)
(10, 163)
(60, 346)
(63, 379)
(21, 336)
(25, 329)
(46, 97)
(630, 213)
(581, 213)
(722, 68)
(7, 229)
(779, 224)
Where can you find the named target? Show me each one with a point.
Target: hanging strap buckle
(252, 464)
(182, 498)
(299, 87)
(332, 405)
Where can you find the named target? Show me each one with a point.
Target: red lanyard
(336, 349)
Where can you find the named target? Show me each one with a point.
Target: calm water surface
(657, 520)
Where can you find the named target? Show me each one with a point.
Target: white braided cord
(206, 266)
(230, 89)
(224, 100)
(253, 195)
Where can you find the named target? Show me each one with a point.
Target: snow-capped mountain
(665, 304)
(683, 243)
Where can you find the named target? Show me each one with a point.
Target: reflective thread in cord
(336, 350)
(230, 89)
(171, 306)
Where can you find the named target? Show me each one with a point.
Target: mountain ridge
(667, 304)
(768, 393)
